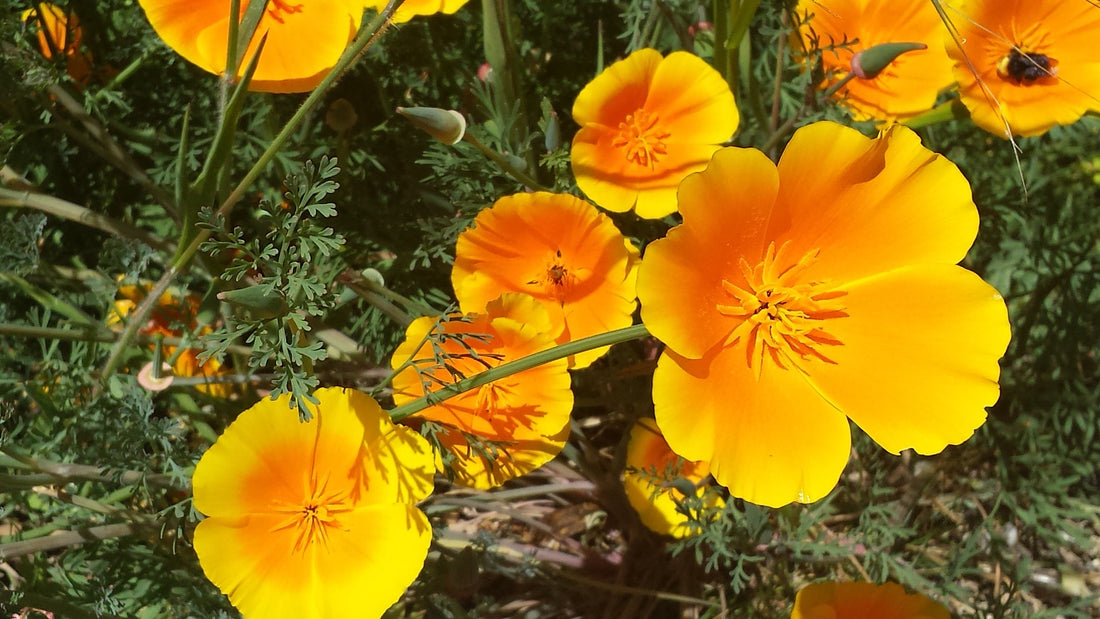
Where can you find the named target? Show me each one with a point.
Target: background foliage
(1005, 525)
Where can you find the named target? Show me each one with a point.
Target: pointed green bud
(262, 303)
(870, 62)
(447, 126)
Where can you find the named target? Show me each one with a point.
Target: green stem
(362, 42)
(788, 126)
(496, 158)
(81, 215)
(514, 367)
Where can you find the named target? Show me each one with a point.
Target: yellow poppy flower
(525, 416)
(412, 8)
(59, 31)
(561, 251)
(908, 86)
(313, 519)
(1034, 63)
(793, 297)
(648, 458)
(646, 123)
(304, 39)
(863, 600)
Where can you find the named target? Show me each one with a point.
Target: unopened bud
(868, 63)
(447, 126)
(262, 303)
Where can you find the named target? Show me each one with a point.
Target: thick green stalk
(514, 367)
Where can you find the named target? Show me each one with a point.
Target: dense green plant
(309, 272)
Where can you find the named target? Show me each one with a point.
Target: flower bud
(447, 126)
(262, 303)
(868, 63)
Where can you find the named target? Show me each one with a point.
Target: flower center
(1020, 67)
(783, 315)
(277, 9)
(314, 517)
(642, 138)
(557, 281)
(489, 400)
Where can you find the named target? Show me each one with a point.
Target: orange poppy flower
(648, 459)
(790, 298)
(313, 519)
(1034, 63)
(172, 314)
(59, 31)
(304, 39)
(412, 8)
(558, 249)
(905, 88)
(523, 419)
(863, 600)
(646, 123)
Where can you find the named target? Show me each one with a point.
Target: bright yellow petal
(367, 562)
(646, 123)
(266, 455)
(725, 211)
(863, 600)
(619, 90)
(771, 440)
(918, 363)
(870, 205)
(648, 456)
(199, 32)
(396, 463)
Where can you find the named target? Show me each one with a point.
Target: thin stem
(496, 158)
(514, 367)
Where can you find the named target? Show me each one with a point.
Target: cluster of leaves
(290, 272)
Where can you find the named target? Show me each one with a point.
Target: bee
(1021, 67)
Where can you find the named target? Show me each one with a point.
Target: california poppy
(794, 297)
(646, 123)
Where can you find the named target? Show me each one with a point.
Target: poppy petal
(771, 440)
(918, 363)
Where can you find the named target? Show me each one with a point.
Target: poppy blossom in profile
(647, 122)
(863, 600)
(413, 8)
(1024, 66)
(503, 429)
(909, 85)
(59, 32)
(797, 296)
(303, 39)
(313, 519)
(652, 473)
(560, 250)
